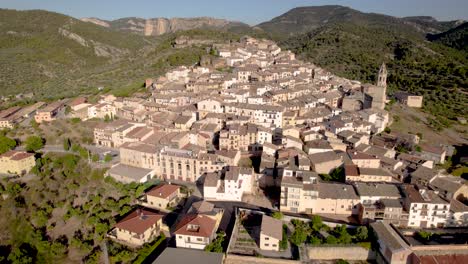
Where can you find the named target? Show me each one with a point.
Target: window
(266, 245)
(199, 239)
(267, 238)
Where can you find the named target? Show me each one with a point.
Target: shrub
(6, 144)
(34, 143)
(362, 233)
(277, 215)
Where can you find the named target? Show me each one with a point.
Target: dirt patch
(411, 120)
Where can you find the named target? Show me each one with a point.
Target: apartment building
(426, 209)
(186, 165)
(228, 185)
(299, 191)
(247, 138)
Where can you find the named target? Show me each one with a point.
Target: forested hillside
(456, 38)
(353, 44)
(55, 56)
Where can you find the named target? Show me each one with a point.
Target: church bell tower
(382, 79)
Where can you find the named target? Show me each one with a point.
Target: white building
(229, 185)
(426, 209)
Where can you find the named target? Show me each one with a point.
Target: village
(251, 147)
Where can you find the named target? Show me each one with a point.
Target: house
(271, 233)
(434, 153)
(128, 174)
(195, 231)
(229, 184)
(138, 228)
(409, 99)
(370, 193)
(317, 146)
(458, 216)
(391, 246)
(355, 174)
(389, 211)
(162, 196)
(449, 187)
(423, 176)
(363, 160)
(336, 199)
(48, 113)
(325, 162)
(16, 162)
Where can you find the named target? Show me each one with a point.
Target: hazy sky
(248, 11)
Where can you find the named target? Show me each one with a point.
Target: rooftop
(163, 190)
(139, 221)
(272, 227)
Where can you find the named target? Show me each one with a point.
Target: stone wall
(348, 253)
(235, 259)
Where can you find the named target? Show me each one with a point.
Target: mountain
(306, 19)
(431, 25)
(54, 55)
(38, 47)
(354, 44)
(160, 26)
(456, 38)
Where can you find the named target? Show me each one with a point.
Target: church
(369, 96)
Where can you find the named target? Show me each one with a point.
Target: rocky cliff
(159, 26)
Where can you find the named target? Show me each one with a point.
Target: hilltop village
(267, 142)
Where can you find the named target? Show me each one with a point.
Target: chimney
(140, 213)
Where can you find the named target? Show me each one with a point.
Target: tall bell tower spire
(382, 79)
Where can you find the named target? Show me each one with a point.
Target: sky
(248, 11)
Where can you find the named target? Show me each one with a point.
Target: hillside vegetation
(456, 38)
(57, 56)
(353, 44)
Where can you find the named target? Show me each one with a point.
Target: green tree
(277, 215)
(66, 144)
(298, 237)
(33, 143)
(362, 233)
(108, 158)
(284, 241)
(316, 223)
(217, 244)
(331, 240)
(95, 158)
(314, 240)
(424, 235)
(19, 256)
(6, 144)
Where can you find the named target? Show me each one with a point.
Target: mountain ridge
(159, 26)
(305, 19)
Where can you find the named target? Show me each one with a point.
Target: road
(101, 151)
